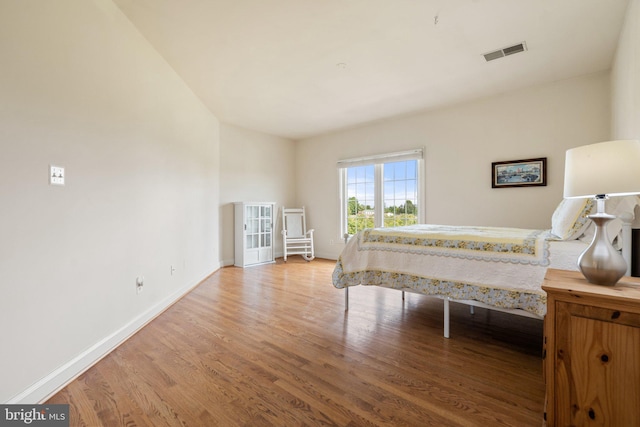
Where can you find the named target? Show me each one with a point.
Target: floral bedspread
(502, 244)
(502, 267)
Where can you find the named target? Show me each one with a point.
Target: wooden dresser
(591, 351)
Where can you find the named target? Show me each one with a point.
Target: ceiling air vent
(517, 48)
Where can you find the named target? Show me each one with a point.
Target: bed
(498, 268)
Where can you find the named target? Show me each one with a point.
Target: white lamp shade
(611, 168)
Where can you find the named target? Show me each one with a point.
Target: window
(381, 191)
(360, 198)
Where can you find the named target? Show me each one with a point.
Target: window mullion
(421, 187)
(379, 196)
(342, 196)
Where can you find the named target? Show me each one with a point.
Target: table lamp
(600, 171)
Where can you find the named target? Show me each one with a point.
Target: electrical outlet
(139, 284)
(56, 175)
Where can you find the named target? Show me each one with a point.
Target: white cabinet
(253, 233)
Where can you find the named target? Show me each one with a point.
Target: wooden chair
(296, 239)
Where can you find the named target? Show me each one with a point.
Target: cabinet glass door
(265, 226)
(252, 227)
(258, 226)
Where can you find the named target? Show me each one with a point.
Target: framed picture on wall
(519, 173)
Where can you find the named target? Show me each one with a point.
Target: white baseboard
(322, 255)
(227, 262)
(59, 378)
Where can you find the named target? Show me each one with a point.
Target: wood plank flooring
(273, 346)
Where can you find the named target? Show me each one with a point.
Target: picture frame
(519, 173)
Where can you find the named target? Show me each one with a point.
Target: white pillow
(616, 206)
(570, 219)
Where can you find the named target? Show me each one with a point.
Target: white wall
(254, 167)
(151, 176)
(460, 144)
(625, 78)
(82, 89)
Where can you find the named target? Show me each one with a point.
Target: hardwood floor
(272, 345)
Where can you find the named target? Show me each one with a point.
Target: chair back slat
(294, 225)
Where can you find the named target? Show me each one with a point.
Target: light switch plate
(56, 175)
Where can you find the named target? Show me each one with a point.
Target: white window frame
(378, 161)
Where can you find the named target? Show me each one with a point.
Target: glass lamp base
(601, 263)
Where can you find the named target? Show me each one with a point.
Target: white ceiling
(273, 65)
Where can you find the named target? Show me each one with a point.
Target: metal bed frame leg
(446, 317)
